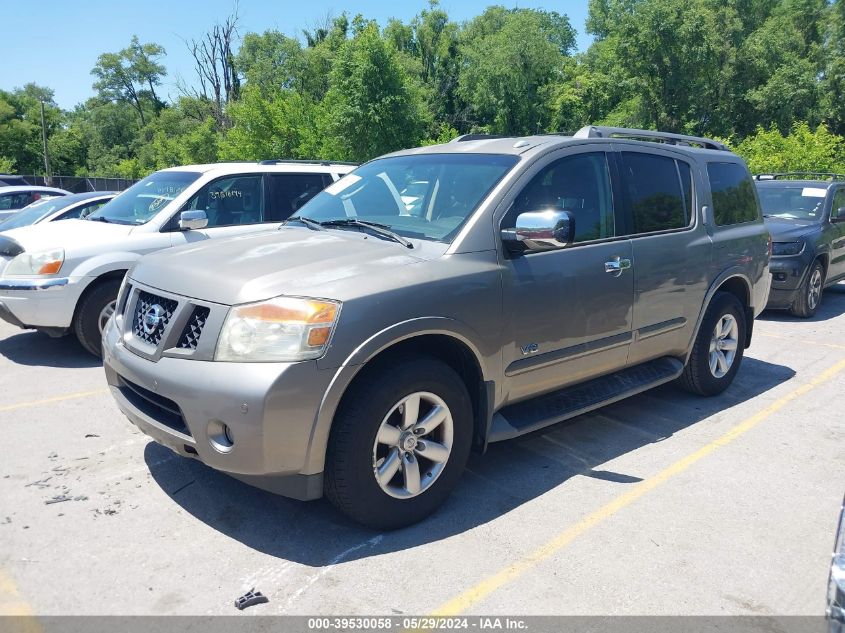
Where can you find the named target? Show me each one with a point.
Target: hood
(66, 234)
(292, 261)
(789, 230)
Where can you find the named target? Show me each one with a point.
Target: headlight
(38, 263)
(283, 329)
(782, 249)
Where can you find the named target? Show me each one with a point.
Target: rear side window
(288, 192)
(734, 201)
(657, 189)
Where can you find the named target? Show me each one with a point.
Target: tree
(130, 76)
(214, 62)
(804, 149)
(510, 59)
(20, 126)
(371, 106)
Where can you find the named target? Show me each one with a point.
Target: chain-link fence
(78, 184)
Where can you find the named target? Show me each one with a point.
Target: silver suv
(439, 299)
(64, 276)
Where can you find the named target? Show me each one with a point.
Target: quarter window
(231, 201)
(658, 190)
(579, 184)
(734, 201)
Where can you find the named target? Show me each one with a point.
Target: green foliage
(371, 106)
(804, 149)
(510, 60)
(767, 74)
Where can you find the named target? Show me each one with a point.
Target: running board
(551, 408)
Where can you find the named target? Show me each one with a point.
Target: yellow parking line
(490, 584)
(11, 602)
(801, 341)
(70, 396)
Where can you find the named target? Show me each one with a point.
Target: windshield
(142, 201)
(34, 212)
(425, 196)
(792, 203)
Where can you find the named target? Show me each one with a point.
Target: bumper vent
(193, 328)
(161, 409)
(152, 306)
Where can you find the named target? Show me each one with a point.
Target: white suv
(65, 275)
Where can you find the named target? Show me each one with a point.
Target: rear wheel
(718, 348)
(810, 293)
(399, 443)
(93, 312)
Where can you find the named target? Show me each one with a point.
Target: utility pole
(48, 179)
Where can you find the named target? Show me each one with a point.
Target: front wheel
(718, 348)
(810, 293)
(93, 312)
(399, 443)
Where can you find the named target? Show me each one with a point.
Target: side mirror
(192, 220)
(839, 215)
(540, 231)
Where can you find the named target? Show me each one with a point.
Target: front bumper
(788, 275)
(40, 303)
(269, 408)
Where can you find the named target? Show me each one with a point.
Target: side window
(579, 184)
(6, 201)
(838, 203)
(288, 192)
(231, 201)
(655, 191)
(734, 201)
(82, 211)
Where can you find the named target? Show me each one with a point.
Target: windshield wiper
(311, 224)
(98, 218)
(375, 227)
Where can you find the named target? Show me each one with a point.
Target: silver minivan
(63, 277)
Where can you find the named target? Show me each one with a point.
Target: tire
(355, 450)
(810, 293)
(88, 320)
(698, 376)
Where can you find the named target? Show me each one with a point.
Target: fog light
(780, 276)
(220, 436)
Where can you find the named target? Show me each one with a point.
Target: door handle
(617, 265)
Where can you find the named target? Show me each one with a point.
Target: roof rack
(300, 161)
(793, 174)
(476, 137)
(600, 131)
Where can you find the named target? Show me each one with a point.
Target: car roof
(17, 188)
(282, 167)
(541, 143)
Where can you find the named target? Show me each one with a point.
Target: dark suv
(805, 213)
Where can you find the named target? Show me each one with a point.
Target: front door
(837, 229)
(567, 311)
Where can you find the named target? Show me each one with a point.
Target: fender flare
(725, 275)
(369, 349)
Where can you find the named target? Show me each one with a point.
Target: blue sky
(57, 44)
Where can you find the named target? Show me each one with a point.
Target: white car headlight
(37, 263)
(283, 329)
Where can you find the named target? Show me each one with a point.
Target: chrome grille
(193, 328)
(145, 302)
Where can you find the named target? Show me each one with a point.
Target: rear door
(670, 250)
